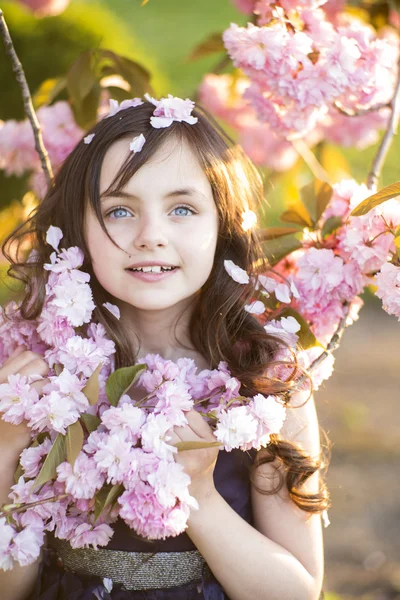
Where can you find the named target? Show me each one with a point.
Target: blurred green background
(357, 407)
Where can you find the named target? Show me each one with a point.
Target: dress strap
(134, 570)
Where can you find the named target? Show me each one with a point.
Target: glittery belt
(134, 570)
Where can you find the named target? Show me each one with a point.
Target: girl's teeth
(156, 269)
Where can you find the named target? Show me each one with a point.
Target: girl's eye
(184, 208)
(117, 213)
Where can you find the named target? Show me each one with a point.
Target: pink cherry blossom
(114, 458)
(45, 8)
(31, 458)
(388, 284)
(115, 107)
(171, 109)
(16, 397)
(270, 415)
(26, 545)
(83, 479)
(6, 536)
(173, 400)
(236, 428)
(91, 536)
(170, 482)
(127, 419)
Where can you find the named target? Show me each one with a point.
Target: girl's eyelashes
(113, 212)
(185, 208)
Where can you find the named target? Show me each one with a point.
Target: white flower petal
(236, 272)
(88, 138)
(137, 143)
(54, 236)
(255, 308)
(114, 310)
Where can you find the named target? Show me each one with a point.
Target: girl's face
(165, 215)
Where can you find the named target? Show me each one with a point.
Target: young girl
(143, 191)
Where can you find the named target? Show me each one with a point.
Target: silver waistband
(134, 570)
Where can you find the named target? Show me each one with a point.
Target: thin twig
(391, 130)
(17, 508)
(27, 99)
(331, 347)
(310, 159)
(360, 111)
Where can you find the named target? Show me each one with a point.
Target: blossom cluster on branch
(303, 68)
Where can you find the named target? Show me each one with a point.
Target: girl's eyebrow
(172, 194)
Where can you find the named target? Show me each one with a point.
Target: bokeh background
(358, 405)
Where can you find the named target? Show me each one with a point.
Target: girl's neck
(163, 332)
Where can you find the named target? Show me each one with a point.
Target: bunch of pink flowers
(303, 65)
(97, 457)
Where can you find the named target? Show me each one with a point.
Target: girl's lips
(151, 277)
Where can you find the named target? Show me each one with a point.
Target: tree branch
(331, 347)
(361, 111)
(391, 130)
(27, 99)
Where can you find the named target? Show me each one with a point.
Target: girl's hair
(220, 328)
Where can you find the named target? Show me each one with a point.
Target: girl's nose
(150, 232)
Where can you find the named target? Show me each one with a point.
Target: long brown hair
(220, 328)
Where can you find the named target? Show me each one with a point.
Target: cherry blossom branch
(387, 139)
(17, 508)
(27, 99)
(331, 347)
(361, 111)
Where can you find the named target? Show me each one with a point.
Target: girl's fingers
(25, 363)
(199, 425)
(17, 351)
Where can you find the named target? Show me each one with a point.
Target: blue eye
(184, 208)
(116, 212)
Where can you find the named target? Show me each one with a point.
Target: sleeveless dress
(55, 582)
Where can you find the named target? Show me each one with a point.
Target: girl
(146, 191)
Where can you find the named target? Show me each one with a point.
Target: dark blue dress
(231, 476)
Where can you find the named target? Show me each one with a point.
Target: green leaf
(91, 422)
(85, 111)
(55, 457)
(48, 91)
(74, 441)
(91, 389)
(121, 380)
(81, 78)
(296, 213)
(183, 446)
(277, 249)
(271, 233)
(106, 496)
(19, 471)
(306, 337)
(331, 225)
(84, 89)
(315, 197)
(386, 193)
(211, 45)
(110, 63)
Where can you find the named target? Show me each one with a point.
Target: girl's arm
(282, 557)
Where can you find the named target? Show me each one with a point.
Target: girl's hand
(21, 362)
(199, 464)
